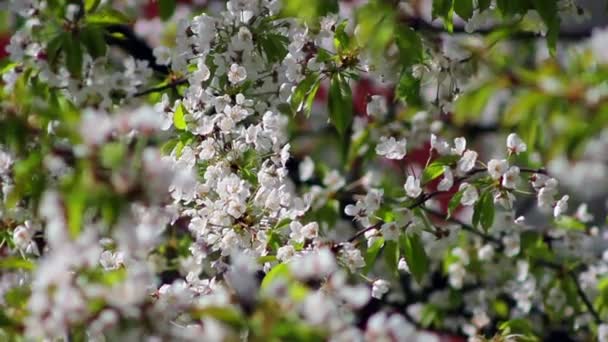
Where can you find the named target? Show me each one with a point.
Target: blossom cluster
(177, 194)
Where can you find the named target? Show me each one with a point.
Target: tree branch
(536, 261)
(161, 88)
(423, 25)
(123, 37)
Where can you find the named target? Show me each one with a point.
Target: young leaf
(432, 171)
(179, 120)
(107, 16)
(73, 51)
(166, 8)
(54, 47)
(91, 5)
(464, 8)
(408, 89)
(310, 98)
(340, 103)
(341, 39)
(279, 271)
(454, 202)
(92, 37)
(391, 255)
(483, 5)
(274, 46)
(14, 263)
(75, 205)
(372, 253)
(302, 90)
(444, 9)
(548, 10)
(409, 44)
(414, 254)
(484, 211)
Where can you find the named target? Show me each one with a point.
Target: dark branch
(123, 37)
(161, 88)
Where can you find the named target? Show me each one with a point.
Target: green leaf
(302, 91)
(179, 119)
(341, 39)
(91, 5)
(444, 9)
(371, 254)
(107, 16)
(484, 211)
(430, 315)
(408, 89)
(75, 206)
(436, 168)
(15, 263)
(166, 8)
(471, 104)
(112, 154)
(548, 10)
(73, 52)
(54, 47)
(415, 255)
(570, 223)
(432, 171)
(92, 37)
(409, 44)
(483, 5)
(454, 202)
(277, 272)
(518, 326)
(274, 46)
(391, 255)
(340, 103)
(512, 7)
(309, 9)
(310, 98)
(224, 314)
(464, 8)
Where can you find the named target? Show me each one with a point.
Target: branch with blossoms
(303, 172)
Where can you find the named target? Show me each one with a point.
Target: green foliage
(166, 8)
(308, 10)
(280, 271)
(464, 8)
(484, 211)
(454, 202)
(304, 94)
(444, 9)
(415, 256)
(179, 117)
(391, 255)
(340, 103)
(408, 89)
(371, 254)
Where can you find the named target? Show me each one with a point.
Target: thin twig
(161, 88)
(536, 261)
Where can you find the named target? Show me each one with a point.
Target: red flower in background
(5, 38)
(151, 8)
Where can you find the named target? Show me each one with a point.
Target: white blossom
(469, 194)
(515, 145)
(412, 187)
(497, 168)
(467, 162)
(391, 148)
(379, 288)
(447, 181)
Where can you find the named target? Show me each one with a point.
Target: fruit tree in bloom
(288, 170)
